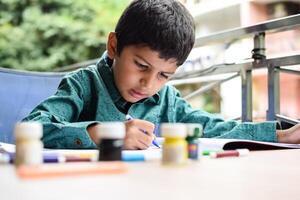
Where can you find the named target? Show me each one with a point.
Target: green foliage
(45, 34)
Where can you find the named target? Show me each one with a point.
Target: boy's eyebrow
(171, 73)
(143, 60)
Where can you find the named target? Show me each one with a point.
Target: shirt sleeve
(60, 113)
(215, 126)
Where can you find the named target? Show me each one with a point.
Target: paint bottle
(175, 145)
(29, 148)
(111, 138)
(194, 131)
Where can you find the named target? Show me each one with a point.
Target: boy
(151, 39)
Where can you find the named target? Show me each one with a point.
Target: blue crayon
(133, 157)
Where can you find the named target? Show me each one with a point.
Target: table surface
(260, 175)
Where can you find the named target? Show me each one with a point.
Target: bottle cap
(28, 130)
(173, 130)
(194, 130)
(111, 130)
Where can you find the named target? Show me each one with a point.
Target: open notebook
(230, 144)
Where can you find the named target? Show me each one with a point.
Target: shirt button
(78, 142)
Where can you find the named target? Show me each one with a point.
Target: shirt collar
(104, 66)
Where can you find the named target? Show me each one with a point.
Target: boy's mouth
(137, 94)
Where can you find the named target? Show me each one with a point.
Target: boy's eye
(163, 75)
(141, 65)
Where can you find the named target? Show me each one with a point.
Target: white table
(260, 175)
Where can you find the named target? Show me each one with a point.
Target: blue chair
(20, 92)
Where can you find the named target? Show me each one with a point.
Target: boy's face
(139, 72)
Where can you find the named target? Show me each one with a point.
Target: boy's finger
(148, 127)
(145, 138)
(148, 136)
(143, 125)
(141, 145)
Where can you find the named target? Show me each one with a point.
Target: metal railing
(259, 60)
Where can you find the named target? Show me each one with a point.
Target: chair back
(20, 92)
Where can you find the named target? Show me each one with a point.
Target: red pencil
(77, 159)
(229, 153)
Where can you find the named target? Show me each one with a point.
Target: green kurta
(89, 96)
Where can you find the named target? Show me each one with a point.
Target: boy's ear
(111, 45)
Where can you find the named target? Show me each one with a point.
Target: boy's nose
(147, 81)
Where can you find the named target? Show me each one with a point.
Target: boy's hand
(291, 135)
(135, 138)
(139, 134)
(92, 130)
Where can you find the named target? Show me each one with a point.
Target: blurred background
(55, 35)
(43, 35)
(213, 16)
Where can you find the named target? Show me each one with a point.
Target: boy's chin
(132, 99)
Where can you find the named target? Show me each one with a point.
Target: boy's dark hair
(165, 26)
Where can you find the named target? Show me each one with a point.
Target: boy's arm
(59, 115)
(215, 126)
(61, 134)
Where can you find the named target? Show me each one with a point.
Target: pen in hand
(128, 117)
